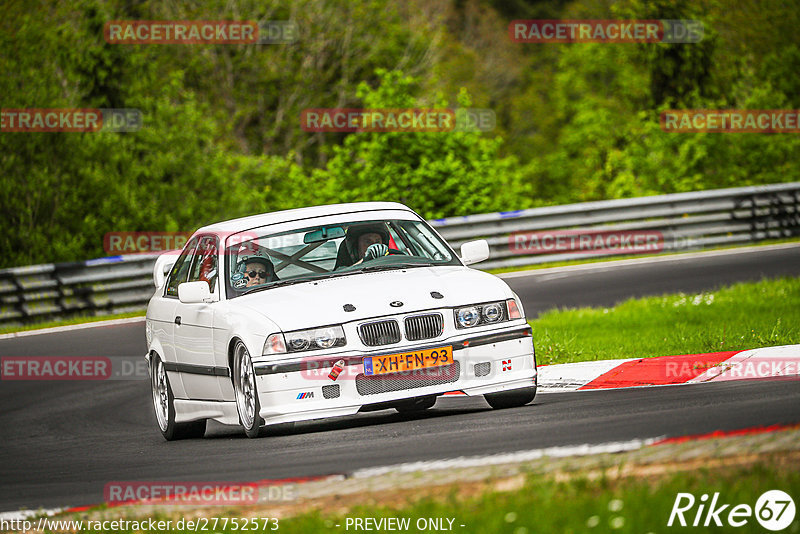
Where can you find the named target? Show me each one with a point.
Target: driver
(364, 242)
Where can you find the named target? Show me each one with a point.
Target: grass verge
(582, 505)
(636, 500)
(739, 317)
(80, 319)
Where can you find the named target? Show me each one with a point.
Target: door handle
(178, 320)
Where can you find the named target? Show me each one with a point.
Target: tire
(244, 385)
(511, 399)
(420, 404)
(164, 406)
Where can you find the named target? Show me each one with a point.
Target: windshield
(269, 260)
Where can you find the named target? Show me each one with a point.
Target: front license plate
(408, 361)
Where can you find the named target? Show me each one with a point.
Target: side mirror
(474, 251)
(163, 266)
(195, 292)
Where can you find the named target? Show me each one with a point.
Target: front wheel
(164, 404)
(511, 399)
(244, 384)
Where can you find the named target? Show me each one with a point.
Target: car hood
(322, 302)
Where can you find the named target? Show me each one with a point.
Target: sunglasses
(260, 274)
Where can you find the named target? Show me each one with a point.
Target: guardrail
(684, 220)
(96, 287)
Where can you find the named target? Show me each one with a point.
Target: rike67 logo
(774, 510)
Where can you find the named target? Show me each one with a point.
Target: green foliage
(438, 173)
(608, 98)
(222, 135)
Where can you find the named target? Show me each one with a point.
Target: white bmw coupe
(327, 311)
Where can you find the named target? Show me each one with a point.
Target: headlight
(488, 313)
(492, 313)
(326, 338)
(316, 338)
(467, 317)
(298, 340)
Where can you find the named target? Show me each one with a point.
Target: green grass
(79, 319)
(627, 505)
(574, 505)
(742, 316)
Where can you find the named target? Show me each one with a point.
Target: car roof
(255, 221)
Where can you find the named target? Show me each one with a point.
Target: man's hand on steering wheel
(376, 250)
(379, 250)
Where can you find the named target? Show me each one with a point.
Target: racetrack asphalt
(607, 284)
(62, 442)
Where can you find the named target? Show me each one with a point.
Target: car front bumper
(305, 388)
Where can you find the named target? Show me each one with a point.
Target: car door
(162, 314)
(194, 332)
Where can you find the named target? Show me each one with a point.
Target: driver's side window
(180, 271)
(204, 266)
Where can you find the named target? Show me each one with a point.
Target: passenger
(253, 271)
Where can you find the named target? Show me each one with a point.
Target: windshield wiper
(280, 283)
(390, 266)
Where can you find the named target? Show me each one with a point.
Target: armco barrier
(686, 220)
(95, 287)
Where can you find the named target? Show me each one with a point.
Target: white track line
(607, 265)
(766, 362)
(507, 458)
(19, 515)
(571, 376)
(462, 461)
(67, 328)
